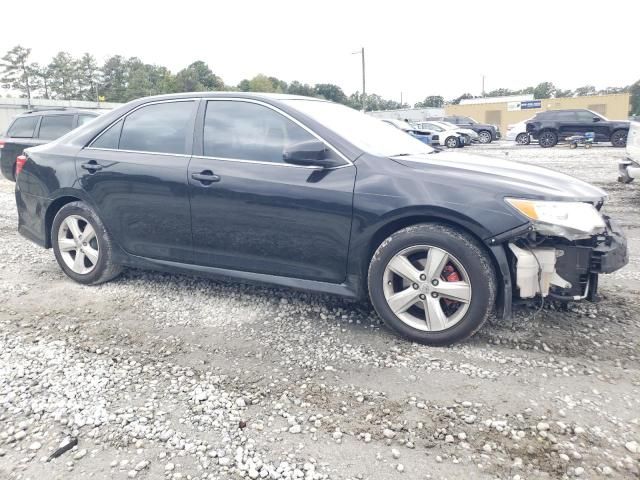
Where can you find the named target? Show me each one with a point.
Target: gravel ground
(174, 377)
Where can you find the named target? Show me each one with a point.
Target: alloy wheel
(547, 139)
(427, 288)
(78, 244)
(619, 138)
(523, 139)
(484, 137)
(452, 142)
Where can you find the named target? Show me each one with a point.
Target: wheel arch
(451, 219)
(53, 208)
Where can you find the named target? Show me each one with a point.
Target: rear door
(588, 123)
(253, 212)
(20, 135)
(135, 173)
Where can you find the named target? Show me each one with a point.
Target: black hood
(503, 177)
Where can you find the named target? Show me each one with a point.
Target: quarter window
(82, 119)
(160, 127)
(54, 126)
(248, 131)
(110, 138)
(23, 127)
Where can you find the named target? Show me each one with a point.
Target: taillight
(1, 143)
(20, 161)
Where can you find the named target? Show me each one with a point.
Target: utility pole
(401, 99)
(483, 85)
(364, 92)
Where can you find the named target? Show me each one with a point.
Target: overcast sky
(419, 48)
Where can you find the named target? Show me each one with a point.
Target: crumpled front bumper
(610, 253)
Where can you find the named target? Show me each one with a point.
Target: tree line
(121, 79)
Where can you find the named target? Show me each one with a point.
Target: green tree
(89, 77)
(464, 96)
(501, 92)
(114, 79)
(332, 92)
(16, 72)
(64, 82)
(586, 91)
(197, 77)
(280, 86)
(563, 93)
(297, 88)
(244, 85)
(433, 101)
(544, 90)
(42, 78)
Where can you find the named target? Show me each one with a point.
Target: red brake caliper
(449, 274)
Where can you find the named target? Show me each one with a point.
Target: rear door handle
(207, 177)
(91, 166)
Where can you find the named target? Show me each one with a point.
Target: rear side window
(82, 119)
(248, 131)
(54, 126)
(23, 127)
(160, 127)
(110, 138)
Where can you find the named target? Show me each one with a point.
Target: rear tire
(523, 139)
(548, 139)
(619, 138)
(82, 245)
(435, 318)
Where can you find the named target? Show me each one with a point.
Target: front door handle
(91, 166)
(206, 177)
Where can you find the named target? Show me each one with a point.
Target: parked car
(486, 133)
(629, 168)
(466, 135)
(518, 133)
(306, 193)
(423, 136)
(552, 126)
(36, 127)
(447, 137)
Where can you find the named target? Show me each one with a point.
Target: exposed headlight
(571, 220)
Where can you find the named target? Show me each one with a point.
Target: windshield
(467, 120)
(431, 126)
(596, 114)
(365, 132)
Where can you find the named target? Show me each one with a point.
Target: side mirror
(312, 153)
(596, 119)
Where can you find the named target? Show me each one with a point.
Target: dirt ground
(166, 376)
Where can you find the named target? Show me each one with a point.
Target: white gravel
(175, 377)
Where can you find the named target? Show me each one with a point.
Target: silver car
(629, 168)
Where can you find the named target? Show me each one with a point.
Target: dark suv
(36, 127)
(486, 132)
(553, 126)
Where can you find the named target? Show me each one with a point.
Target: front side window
(54, 126)
(248, 131)
(586, 116)
(159, 127)
(23, 127)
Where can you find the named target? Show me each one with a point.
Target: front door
(135, 173)
(252, 212)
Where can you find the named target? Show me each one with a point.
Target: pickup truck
(552, 126)
(629, 168)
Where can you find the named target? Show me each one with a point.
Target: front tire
(432, 284)
(619, 138)
(82, 245)
(452, 142)
(523, 139)
(484, 136)
(548, 139)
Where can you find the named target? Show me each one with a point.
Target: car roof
(227, 94)
(57, 111)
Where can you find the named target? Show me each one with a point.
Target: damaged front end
(562, 251)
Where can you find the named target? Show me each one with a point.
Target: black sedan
(309, 194)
